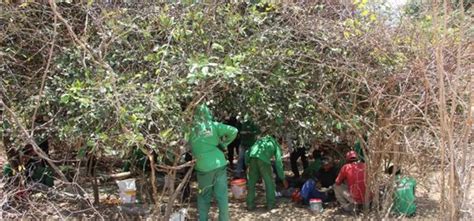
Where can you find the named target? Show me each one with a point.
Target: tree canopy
(105, 80)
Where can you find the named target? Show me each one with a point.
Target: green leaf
(65, 98)
(165, 134)
(217, 47)
(82, 152)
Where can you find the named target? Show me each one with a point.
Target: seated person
(308, 173)
(328, 173)
(327, 176)
(32, 167)
(312, 189)
(350, 183)
(404, 194)
(314, 166)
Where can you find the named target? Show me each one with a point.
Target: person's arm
(278, 161)
(289, 142)
(255, 129)
(414, 186)
(359, 151)
(247, 156)
(226, 134)
(186, 141)
(341, 176)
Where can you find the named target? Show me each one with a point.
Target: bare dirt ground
(427, 209)
(427, 200)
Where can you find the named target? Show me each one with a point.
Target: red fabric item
(354, 175)
(296, 196)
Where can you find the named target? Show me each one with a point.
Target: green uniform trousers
(257, 169)
(213, 182)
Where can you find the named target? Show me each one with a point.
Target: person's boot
(349, 208)
(270, 207)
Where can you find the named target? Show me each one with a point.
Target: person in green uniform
(358, 148)
(31, 167)
(248, 135)
(258, 158)
(41, 174)
(36, 169)
(208, 139)
(404, 193)
(249, 132)
(314, 166)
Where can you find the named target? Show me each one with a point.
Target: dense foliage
(110, 79)
(267, 61)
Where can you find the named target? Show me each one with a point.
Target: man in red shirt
(350, 183)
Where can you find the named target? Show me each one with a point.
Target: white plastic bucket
(316, 205)
(127, 190)
(180, 215)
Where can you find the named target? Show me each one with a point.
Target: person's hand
(324, 189)
(319, 185)
(285, 184)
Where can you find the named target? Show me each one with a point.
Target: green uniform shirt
(42, 175)
(39, 174)
(205, 137)
(265, 149)
(404, 199)
(358, 150)
(312, 168)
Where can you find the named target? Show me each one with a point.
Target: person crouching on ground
(314, 166)
(312, 189)
(350, 183)
(328, 173)
(208, 140)
(404, 193)
(320, 185)
(258, 159)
